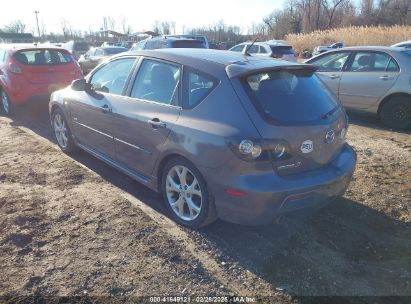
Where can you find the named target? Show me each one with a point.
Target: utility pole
(37, 19)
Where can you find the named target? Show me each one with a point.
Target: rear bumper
(21, 94)
(269, 195)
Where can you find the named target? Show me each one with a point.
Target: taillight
(259, 150)
(14, 68)
(277, 56)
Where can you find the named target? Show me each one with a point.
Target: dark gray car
(217, 133)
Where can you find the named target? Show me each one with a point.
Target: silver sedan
(372, 79)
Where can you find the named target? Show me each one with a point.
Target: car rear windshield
(193, 44)
(282, 50)
(43, 57)
(290, 96)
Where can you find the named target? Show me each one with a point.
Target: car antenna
(245, 52)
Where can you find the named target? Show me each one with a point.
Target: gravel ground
(72, 226)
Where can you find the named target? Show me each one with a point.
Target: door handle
(106, 109)
(157, 123)
(334, 76)
(386, 77)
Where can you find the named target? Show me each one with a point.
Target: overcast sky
(140, 15)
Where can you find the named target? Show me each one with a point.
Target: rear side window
(290, 96)
(157, 81)
(197, 86)
(43, 57)
(373, 62)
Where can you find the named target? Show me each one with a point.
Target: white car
(273, 48)
(406, 44)
(325, 48)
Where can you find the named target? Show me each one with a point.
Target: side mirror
(79, 85)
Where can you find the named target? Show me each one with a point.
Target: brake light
(277, 56)
(14, 68)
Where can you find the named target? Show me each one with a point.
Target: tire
(62, 132)
(196, 208)
(396, 112)
(6, 105)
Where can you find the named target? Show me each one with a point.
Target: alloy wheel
(184, 193)
(5, 102)
(60, 130)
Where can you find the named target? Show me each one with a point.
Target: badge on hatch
(307, 146)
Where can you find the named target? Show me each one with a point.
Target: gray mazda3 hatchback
(219, 134)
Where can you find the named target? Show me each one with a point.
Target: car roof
(369, 48)
(29, 46)
(269, 43)
(235, 63)
(402, 42)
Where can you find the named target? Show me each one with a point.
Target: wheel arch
(162, 163)
(388, 97)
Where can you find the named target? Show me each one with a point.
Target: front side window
(157, 81)
(112, 77)
(333, 62)
(290, 96)
(197, 86)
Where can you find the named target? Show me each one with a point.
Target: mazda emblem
(329, 137)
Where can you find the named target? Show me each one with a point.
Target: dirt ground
(73, 226)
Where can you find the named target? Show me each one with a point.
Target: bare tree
(125, 26)
(16, 26)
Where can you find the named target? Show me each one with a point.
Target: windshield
(291, 96)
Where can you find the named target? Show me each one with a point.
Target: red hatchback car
(30, 72)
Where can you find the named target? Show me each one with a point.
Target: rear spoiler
(244, 68)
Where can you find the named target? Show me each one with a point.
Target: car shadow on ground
(344, 249)
(370, 120)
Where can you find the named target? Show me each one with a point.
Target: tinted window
(291, 96)
(81, 46)
(282, 50)
(43, 57)
(157, 81)
(194, 44)
(196, 87)
(112, 77)
(331, 62)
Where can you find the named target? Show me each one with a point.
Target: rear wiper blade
(328, 114)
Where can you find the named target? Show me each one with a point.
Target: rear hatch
(47, 66)
(295, 111)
